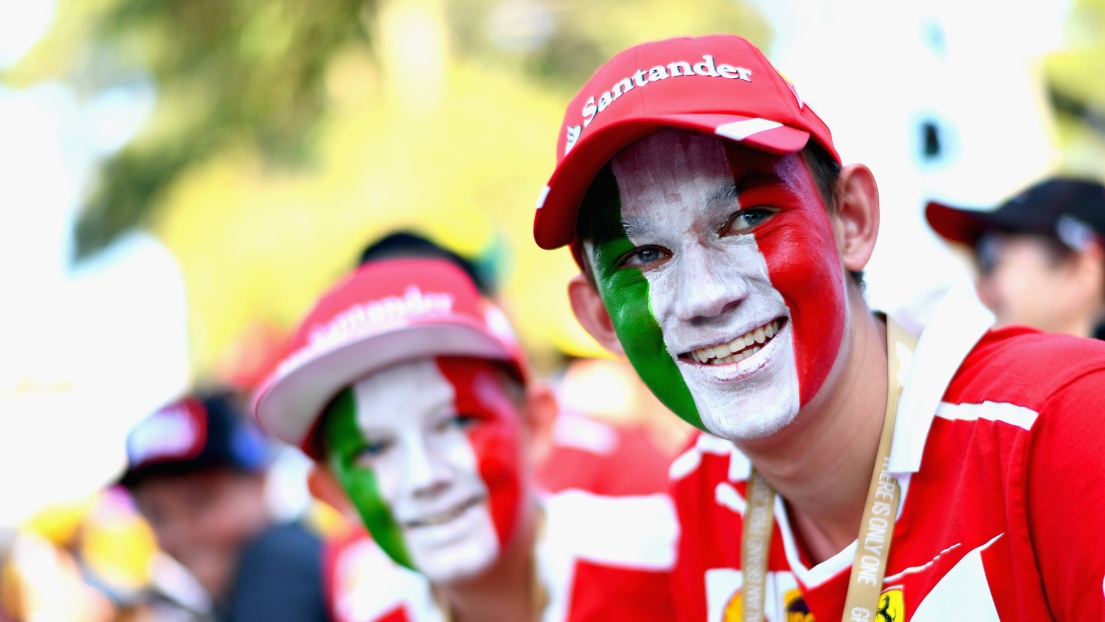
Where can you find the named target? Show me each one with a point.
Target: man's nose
(707, 286)
(426, 472)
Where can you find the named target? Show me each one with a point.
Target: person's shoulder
(625, 530)
(280, 573)
(364, 584)
(604, 558)
(285, 540)
(1026, 368)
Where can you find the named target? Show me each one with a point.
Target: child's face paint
(720, 272)
(430, 453)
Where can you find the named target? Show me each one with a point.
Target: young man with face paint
(409, 390)
(851, 471)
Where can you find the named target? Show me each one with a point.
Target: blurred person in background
(410, 391)
(400, 244)
(196, 470)
(720, 240)
(92, 560)
(41, 579)
(1040, 255)
(611, 436)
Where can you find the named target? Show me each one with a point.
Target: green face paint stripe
(625, 292)
(343, 444)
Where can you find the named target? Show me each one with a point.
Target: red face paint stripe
(495, 437)
(802, 262)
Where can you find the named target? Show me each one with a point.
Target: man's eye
(748, 218)
(643, 256)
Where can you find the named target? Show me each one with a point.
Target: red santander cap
(384, 313)
(720, 84)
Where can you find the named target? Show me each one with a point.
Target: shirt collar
(959, 321)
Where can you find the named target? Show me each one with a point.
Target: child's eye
(746, 219)
(459, 422)
(371, 451)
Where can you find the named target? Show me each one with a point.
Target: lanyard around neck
(880, 511)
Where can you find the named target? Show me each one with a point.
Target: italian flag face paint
(719, 269)
(430, 453)
(625, 293)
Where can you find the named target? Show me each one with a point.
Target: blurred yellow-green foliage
(290, 133)
(1077, 89)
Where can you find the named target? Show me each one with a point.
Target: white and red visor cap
(720, 84)
(384, 313)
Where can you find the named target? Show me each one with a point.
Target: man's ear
(857, 216)
(325, 487)
(592, 314)
(539, 415)
(1087, 270)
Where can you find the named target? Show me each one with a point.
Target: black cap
(1070, 210)
(194, 433)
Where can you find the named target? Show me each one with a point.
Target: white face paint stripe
(386, 403)
(429, 471)
(739, 130)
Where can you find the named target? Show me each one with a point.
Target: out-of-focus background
(179, 180)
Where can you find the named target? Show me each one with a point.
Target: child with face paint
(409, 390)
(847, 470)
(196, 469)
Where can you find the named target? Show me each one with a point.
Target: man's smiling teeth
(738, 349)
(443, 517)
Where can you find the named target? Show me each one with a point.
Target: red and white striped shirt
(1000, 450)
(599, 559)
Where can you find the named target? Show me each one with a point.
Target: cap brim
(555, 222)
(290, 401)
(959, 225)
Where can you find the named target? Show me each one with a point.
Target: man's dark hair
(825, 171)
(604, 191)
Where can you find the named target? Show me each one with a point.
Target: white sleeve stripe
(710, 444)
(727, 496)
(689, 460)
(1012, 414)
(685, 464)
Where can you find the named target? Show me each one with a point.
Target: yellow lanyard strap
(876, 530)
